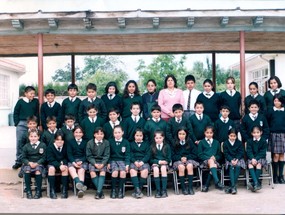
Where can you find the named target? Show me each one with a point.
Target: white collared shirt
(232, 143)
(155, 119)
(229, 92)
(254, 96)
(79, 140)
(137, 118)
(111, 95)
(182, 142)
(72, 99)
(277, 91)
(256, 139)
(198, 116)
(37, 144)
(89, 99)
(161, 146)
(116, 123)
(53, 132)
(51, 104)
(119, 140)
(208, 96)
(67, 127)
(97, 142)
(176, 119)
(211, 140)
(277, 109)
(194, 95)
(223, 119)
(253, 117)
(95, 118)
(57, 147)
(26, 99)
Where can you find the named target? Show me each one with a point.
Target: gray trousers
(21, 129)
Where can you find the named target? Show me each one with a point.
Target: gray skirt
(40, 168)
(277, 143)
(143, 167)
(83, 166)
(204, 164)
(177, 163)
(118, 166)
(92, 168)
(262, 161)
(241, 163)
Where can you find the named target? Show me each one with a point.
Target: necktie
(78, 142)
(132, 95)
(110, 96)
(182, 142)
(34, 146)
(135, 119)
(274, 92)
(139, 144)
(178, 120)
(71, 100)
(208, 94)
(118, 143)
(189, 101)
(99, 143)
(156, 120)
(225, 121)
(114, 124)
(49, 104)
(92, 100)
(200, 117)
(209, 141)
(254, 117)
(58, 149)
(92, 120)
(231, 92)
(159, 147)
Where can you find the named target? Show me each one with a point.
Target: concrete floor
(266, 201)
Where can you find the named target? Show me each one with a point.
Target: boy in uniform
(67, 128)
(48, 135)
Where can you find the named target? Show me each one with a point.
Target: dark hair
(50, 118)
(118, 126)
(258, 127)
(253, 102)
(190, 78)
(155, 107)
(166, 79)
(232, 79)
(114, 110)
(209, 127)
(210, 82)
(32, 119)
(72, 86)
(50, 91)
(111, 84)
(177, 107)
(253, 83)
(33, 131)
(225, 107)
(198, 103)
(232, 131)
(78, 127)
(151, 80)
(138, 130)
(276, 79)
(280, 98)
(126, 92)
(91, 106)
(98, 129)
(29, 88)
(68, 117)
(135, 103)
(91, 86)
(187, 139)
(59, 133)
(153, 145)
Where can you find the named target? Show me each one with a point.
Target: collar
(276, 109)
(254, 96)
(210, 94)
(211, 140)
(277, 91)
(37, 143)
(137, 117)
(51, 104)
(26, 99)
(229, 92)
(198, 116)
(113, 95)
(222, 118)
(72, 98)
(253, 116)
(79, 140)
(176, 119)
(156, 119)
(161, 145)
(232, 143)
(52, 132)
(131, 95)
(97, 141)
(89, 99)
(57, 146)
(182, 142)
(70, 128)
(95, 118)
(256, 139)
(117, 122)
(119, 140)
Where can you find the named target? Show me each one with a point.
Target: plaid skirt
(262, 161)
(92, 168)
(204, 164)
(159, 166)
(118, 166)
(40, 168)
(241, 163)
(144, 166)
(57, 169)
(83, 166)
(177, 163)
(277, 143)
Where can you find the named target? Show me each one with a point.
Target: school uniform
(56, 156)
(256, 149)
(49, 110)
(130, 125)
(139, 152)
(112, 101)
(68, 133)
(174, 124)
(48, 136)
(148, 101)
(199, 123)
(232, 151)
(76, 151)
(257, 97)
(25, 138)
(190, 98)
(268, 97)
(89, 126)
(151, 125)
(71, 106)
(232, 99)
(249, 121)
(119, 154)
(222, 126)
(22, 110)
(99, 104)
(207, 149)
(211, 102)
(127, 101)
(108, 129)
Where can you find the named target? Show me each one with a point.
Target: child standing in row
(26, 107)
(34, 158)
(111, 98)
(185, 157)
(274, 84)
(253, 90)
(149, 98)
(160, 159)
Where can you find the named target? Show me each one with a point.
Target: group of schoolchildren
(127, 135)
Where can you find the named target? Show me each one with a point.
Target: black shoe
(80, 194)
(81, 186)
(219, 186)
(64, 193)
(52, 195)
(205, 189)
(29, 195)
(234, 190)
(275, 180)
(257, 187)
(191, 191)
(16, 165)
(158, 194)
(120, 194)
(228, 190)
(20, 174)
(250, 187)
(113, 194)
(281, 180)
(97, 195)
(164, 194)
(38, 195)
(138, 193)
(184, 192)
(101, 195)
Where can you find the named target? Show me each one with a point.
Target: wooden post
(214, 69)
(242, 66)
(72, 69)
(40, 71)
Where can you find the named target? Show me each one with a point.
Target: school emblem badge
(230, 127)
(123, 149)
(261, 123)
(41, 151)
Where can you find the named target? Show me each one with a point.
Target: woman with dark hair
(274, 85)
(111, 97)
(149, 98)
(169, 96)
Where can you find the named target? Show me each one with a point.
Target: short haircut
(78, 127)
(114, 110)
(59, 133)
(36, 131)
(72, 86)
(151, 80)
(177, 107)
(139, 130)
(50, 118)
(91, 106)
(118, 126)
(232, 131)
(50, 91)
(258, 127)
(111, 84)
(209, 127)
(190, 78)
(225, 107)
(198, 103)
(156, 107)
(29, 88)
(135, 103)
(276, 79)
(99, 129)
(91, 86)
(254, 102)
(32, 119)
(68, 117)
(280, 98)
(166, 79)
(254, 84)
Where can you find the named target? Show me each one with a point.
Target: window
(4, 90)
(260, 76)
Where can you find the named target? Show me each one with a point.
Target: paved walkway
(266, 201)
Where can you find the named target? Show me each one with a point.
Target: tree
(160, 67)
(64, 75)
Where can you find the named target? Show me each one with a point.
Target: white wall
(280, 68)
